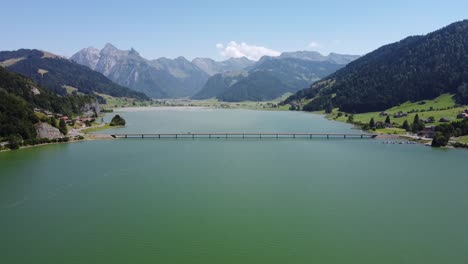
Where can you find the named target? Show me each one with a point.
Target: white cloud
(314, 45)
(238, 50)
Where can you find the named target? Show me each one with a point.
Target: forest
(413, 69)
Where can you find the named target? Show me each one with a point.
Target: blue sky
(194, 28)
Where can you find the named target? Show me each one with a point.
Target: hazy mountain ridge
(257, 86)
(314, 56)
(219, 83)
(289, 72)
(212, 67)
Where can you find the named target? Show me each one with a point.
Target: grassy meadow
(443, 106)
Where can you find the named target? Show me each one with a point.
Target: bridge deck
(244, 135)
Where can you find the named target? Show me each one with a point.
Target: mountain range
(271, 77)
(159, 78)
(212, 67)
(413, 69)
(201, 78)
(55, 73)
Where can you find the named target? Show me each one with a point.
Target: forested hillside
(416, 68)
(258, 86)
(19, 96)
(53, 72)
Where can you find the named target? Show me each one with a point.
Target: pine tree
(406, 126)
(387, 120)
(416, 119)
(418, 125)
(53, 121)
(372, 123)
(63, 127)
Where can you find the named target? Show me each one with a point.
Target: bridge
(244, 135)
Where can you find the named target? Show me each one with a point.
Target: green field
(118, 102)
(71, 89)
(441, 107)
(391, 131)
(96, 128)
(215, 103)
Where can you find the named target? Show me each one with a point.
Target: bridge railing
(243, 135)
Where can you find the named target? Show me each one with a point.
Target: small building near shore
(427, 132)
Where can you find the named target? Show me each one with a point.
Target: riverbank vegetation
(16, 143)
(441, 115)
(117, 120)
(444, 132)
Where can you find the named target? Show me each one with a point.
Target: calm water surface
(234, 200)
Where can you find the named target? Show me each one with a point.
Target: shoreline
(388, 136)
(158, 108)
(87, 135)
(383, 136)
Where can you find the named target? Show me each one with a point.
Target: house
(84, 121)
(427, 132)
(379, 124)
(400, 114)
(428, 121)
(444, 120)
(462, 115)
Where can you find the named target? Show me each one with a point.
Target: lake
(233, 200)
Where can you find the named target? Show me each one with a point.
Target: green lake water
(233, 200)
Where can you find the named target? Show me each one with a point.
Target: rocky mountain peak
(133, 52)
(87, 56)
(109, 47)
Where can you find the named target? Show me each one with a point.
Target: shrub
(117, 121)
(439, 140)
(14, 143)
